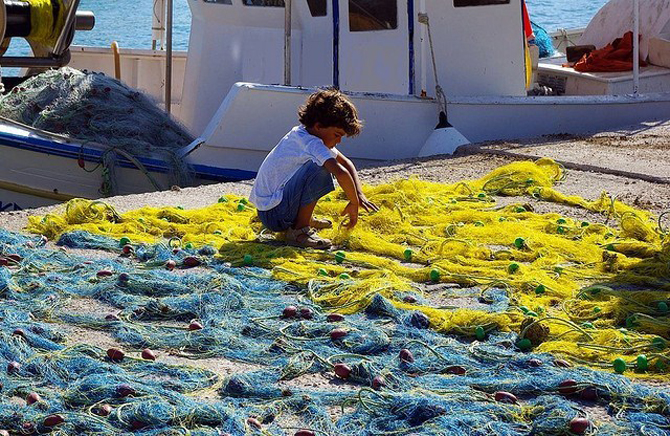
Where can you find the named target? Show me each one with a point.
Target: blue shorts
(307, 185)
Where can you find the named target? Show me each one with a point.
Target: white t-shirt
(289, 155)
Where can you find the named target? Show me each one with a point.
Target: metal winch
(47, 25)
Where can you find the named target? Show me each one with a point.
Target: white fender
(443, 141)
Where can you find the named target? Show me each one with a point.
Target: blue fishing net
(386, 372)
(543, 41)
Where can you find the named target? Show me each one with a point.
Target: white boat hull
(38, 170)
(506, 118)
(254, 117)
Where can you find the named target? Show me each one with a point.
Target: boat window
(271, 3)
(317, 8)
(465, 3)
(367, 15)
(223, 2)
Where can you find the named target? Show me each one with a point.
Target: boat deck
(568, 81)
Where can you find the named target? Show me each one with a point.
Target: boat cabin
(371, 46)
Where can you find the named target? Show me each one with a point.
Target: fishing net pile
(93, 107)
(543, 41)
(391, 373)
(593, 293)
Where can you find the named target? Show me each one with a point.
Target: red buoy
(335, 317)
(290, 312)
(136, 424)
(147, 354)
(579, 425)
(456, 369)
(14, 258)
(337, 334)
(53, 420)
(567, 387)
(562, 363)
(13, 367)
(104, 410)
(191, 262)
(195, 325)
(115, 354)
(505, 397)
(406, 356)
(378, 382)
(33, 398)
(342, 370)
(306, 312)
(124, 390)
(254, 422)
(589, 394)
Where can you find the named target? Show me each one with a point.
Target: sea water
(563, 14)
(128, 22)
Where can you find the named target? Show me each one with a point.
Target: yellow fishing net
(46, 21)
(584, 290)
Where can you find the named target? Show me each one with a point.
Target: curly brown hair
(330, 108)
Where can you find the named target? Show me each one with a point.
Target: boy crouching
(299, 169)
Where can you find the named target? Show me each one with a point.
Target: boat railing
(563, 38)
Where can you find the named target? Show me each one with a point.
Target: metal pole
(287, 42)
(59, 48)
(168, 58)
(158, 25)
(117, 60)
(422, 10)
(636, 46)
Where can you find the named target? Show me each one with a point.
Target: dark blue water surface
(129, 23)
(563, 14)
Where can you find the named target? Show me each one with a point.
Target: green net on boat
(92, 107)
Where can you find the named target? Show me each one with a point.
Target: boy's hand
(352, 211)
(367, 204)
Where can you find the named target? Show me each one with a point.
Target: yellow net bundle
(593, 292)
(47, 18)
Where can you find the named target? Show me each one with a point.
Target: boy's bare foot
(321, 223)
(306, 237)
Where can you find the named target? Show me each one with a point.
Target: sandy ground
(633, 164)
(643, 151)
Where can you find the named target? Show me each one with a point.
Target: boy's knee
(317, 183)
(272, 222)
(322, 177)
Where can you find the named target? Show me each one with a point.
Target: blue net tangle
(379, 372)
(543, 41)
